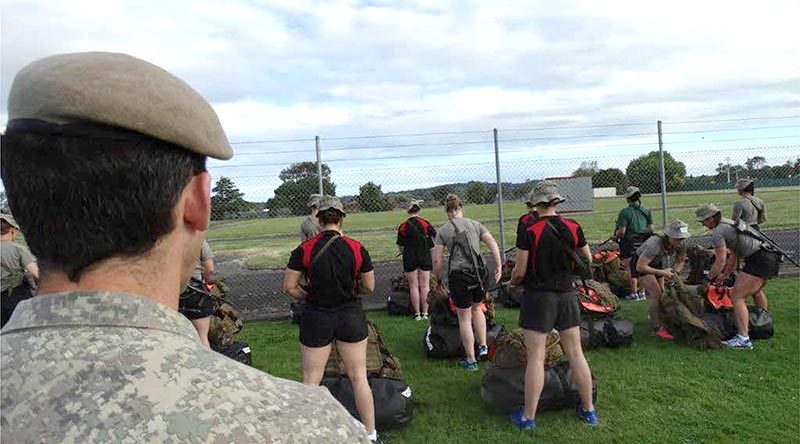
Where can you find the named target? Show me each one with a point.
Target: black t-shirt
(550, 262)
(332, 275)
(525, 221)
(416, 232)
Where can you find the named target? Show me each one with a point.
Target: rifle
(774, 245)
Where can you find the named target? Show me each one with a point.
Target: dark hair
(717, 217)
(636, 196)
(5, 227)
(414, 209)
(81, 200)
(750, 188)
(330, 216)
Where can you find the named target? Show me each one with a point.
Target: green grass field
(651, 391)
(266, 243)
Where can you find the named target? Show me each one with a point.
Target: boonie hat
(414, 203)
(677, 229)
(630, 191)
(328, 202)
(545, 191)
(59, 94)
(10, 219)
(313, 200)
(743, 183)
(705, 211)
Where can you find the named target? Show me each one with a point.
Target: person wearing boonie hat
(18, 269)
(104, 163)
(648, 264)
(337, 270)
(310, 225)
(528, 218)
(547, 266)
(415, 240)
(761, 263)
(753, 211)
(634, 226)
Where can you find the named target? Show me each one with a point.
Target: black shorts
(763, 263)
(626, 248)
(415, 258)
(319, 326)
(195, 303)
(545, 310)
(464, 290)
(635, 273)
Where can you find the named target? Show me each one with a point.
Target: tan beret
(121, 91)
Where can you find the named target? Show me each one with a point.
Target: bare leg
(581, 374)
(745, 285)
(479, 324)
(633, 283)
(465, 329)
(202, 325)
(424, 288)
(413, 289)
(534, 371)
(653, 289)
(314, 360)
(354, 356)
(760, 298)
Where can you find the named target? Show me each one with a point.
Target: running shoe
(588, 418)
(468, 365)
(632, 297)
(424, 316)
(739, 342)
(662, 333)
(483, 352)
(517, 418)
(417, 317)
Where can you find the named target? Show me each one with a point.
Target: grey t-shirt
(747, 210)
(654, 248)
(13, 260)
(725, 234)
(446, 235)
(309, 228)
(205, 254)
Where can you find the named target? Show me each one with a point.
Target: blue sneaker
(468, 365)
(516, 418)
(739, 342)
(483, 352)
(588, 418)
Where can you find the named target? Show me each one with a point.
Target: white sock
(744, 338)
(373, 436)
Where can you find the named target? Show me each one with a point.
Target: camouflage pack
(380, 361)
(510, 351)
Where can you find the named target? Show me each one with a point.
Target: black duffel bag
(606, 332)
(722, 322)
(444, 341)
(761, 324)
(504, 388)
(398, 304)
(238, 351)
(392, 398)
(296, 311)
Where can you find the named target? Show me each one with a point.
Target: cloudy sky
(601, 73)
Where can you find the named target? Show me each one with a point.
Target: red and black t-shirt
(525, 221)
(333, 277)
(548, 261)
(416, 232)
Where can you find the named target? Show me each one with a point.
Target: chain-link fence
(259, 199)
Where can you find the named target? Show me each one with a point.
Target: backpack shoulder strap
(323, 249)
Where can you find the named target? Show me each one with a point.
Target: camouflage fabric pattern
(106, 367)
(400, 283)
(225, 323)
(613, 273)
(380, 361)
(510, 351)
(681, 312)
(700, 259)
(604, 296)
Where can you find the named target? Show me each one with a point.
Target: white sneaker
(424, 316)
(738, 342)
(418, 317)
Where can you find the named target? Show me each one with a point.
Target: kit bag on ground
(237, 350)
(444, 341)
(399, 304)
(391, 397)
(606, 332)
(380, 361)
(596, 299)
(508, 349)
(503, 389)
(761, 325)
(510, 297)
(225, 324)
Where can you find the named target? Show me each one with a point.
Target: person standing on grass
(753, 211)
(649, 265)
(551, 252)
(104, 162)
(466, 275)
(634, 226)
(337, 269)
(761, 263)
(196, 302)
(19, 269)
(310, 225)
(415, 240)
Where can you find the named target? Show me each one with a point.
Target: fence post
(319, 166)
(499, 196)
(663, 176)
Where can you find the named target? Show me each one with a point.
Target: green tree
(227, 202)
(299, 183)
(371, 198)
(476, 193)
(644, 172)
(755, 163)
(588, 168)
(440, 193)
(610, 177)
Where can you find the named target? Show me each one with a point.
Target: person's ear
(197, 201)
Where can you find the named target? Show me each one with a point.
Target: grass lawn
(649, 392)
(266, 243)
